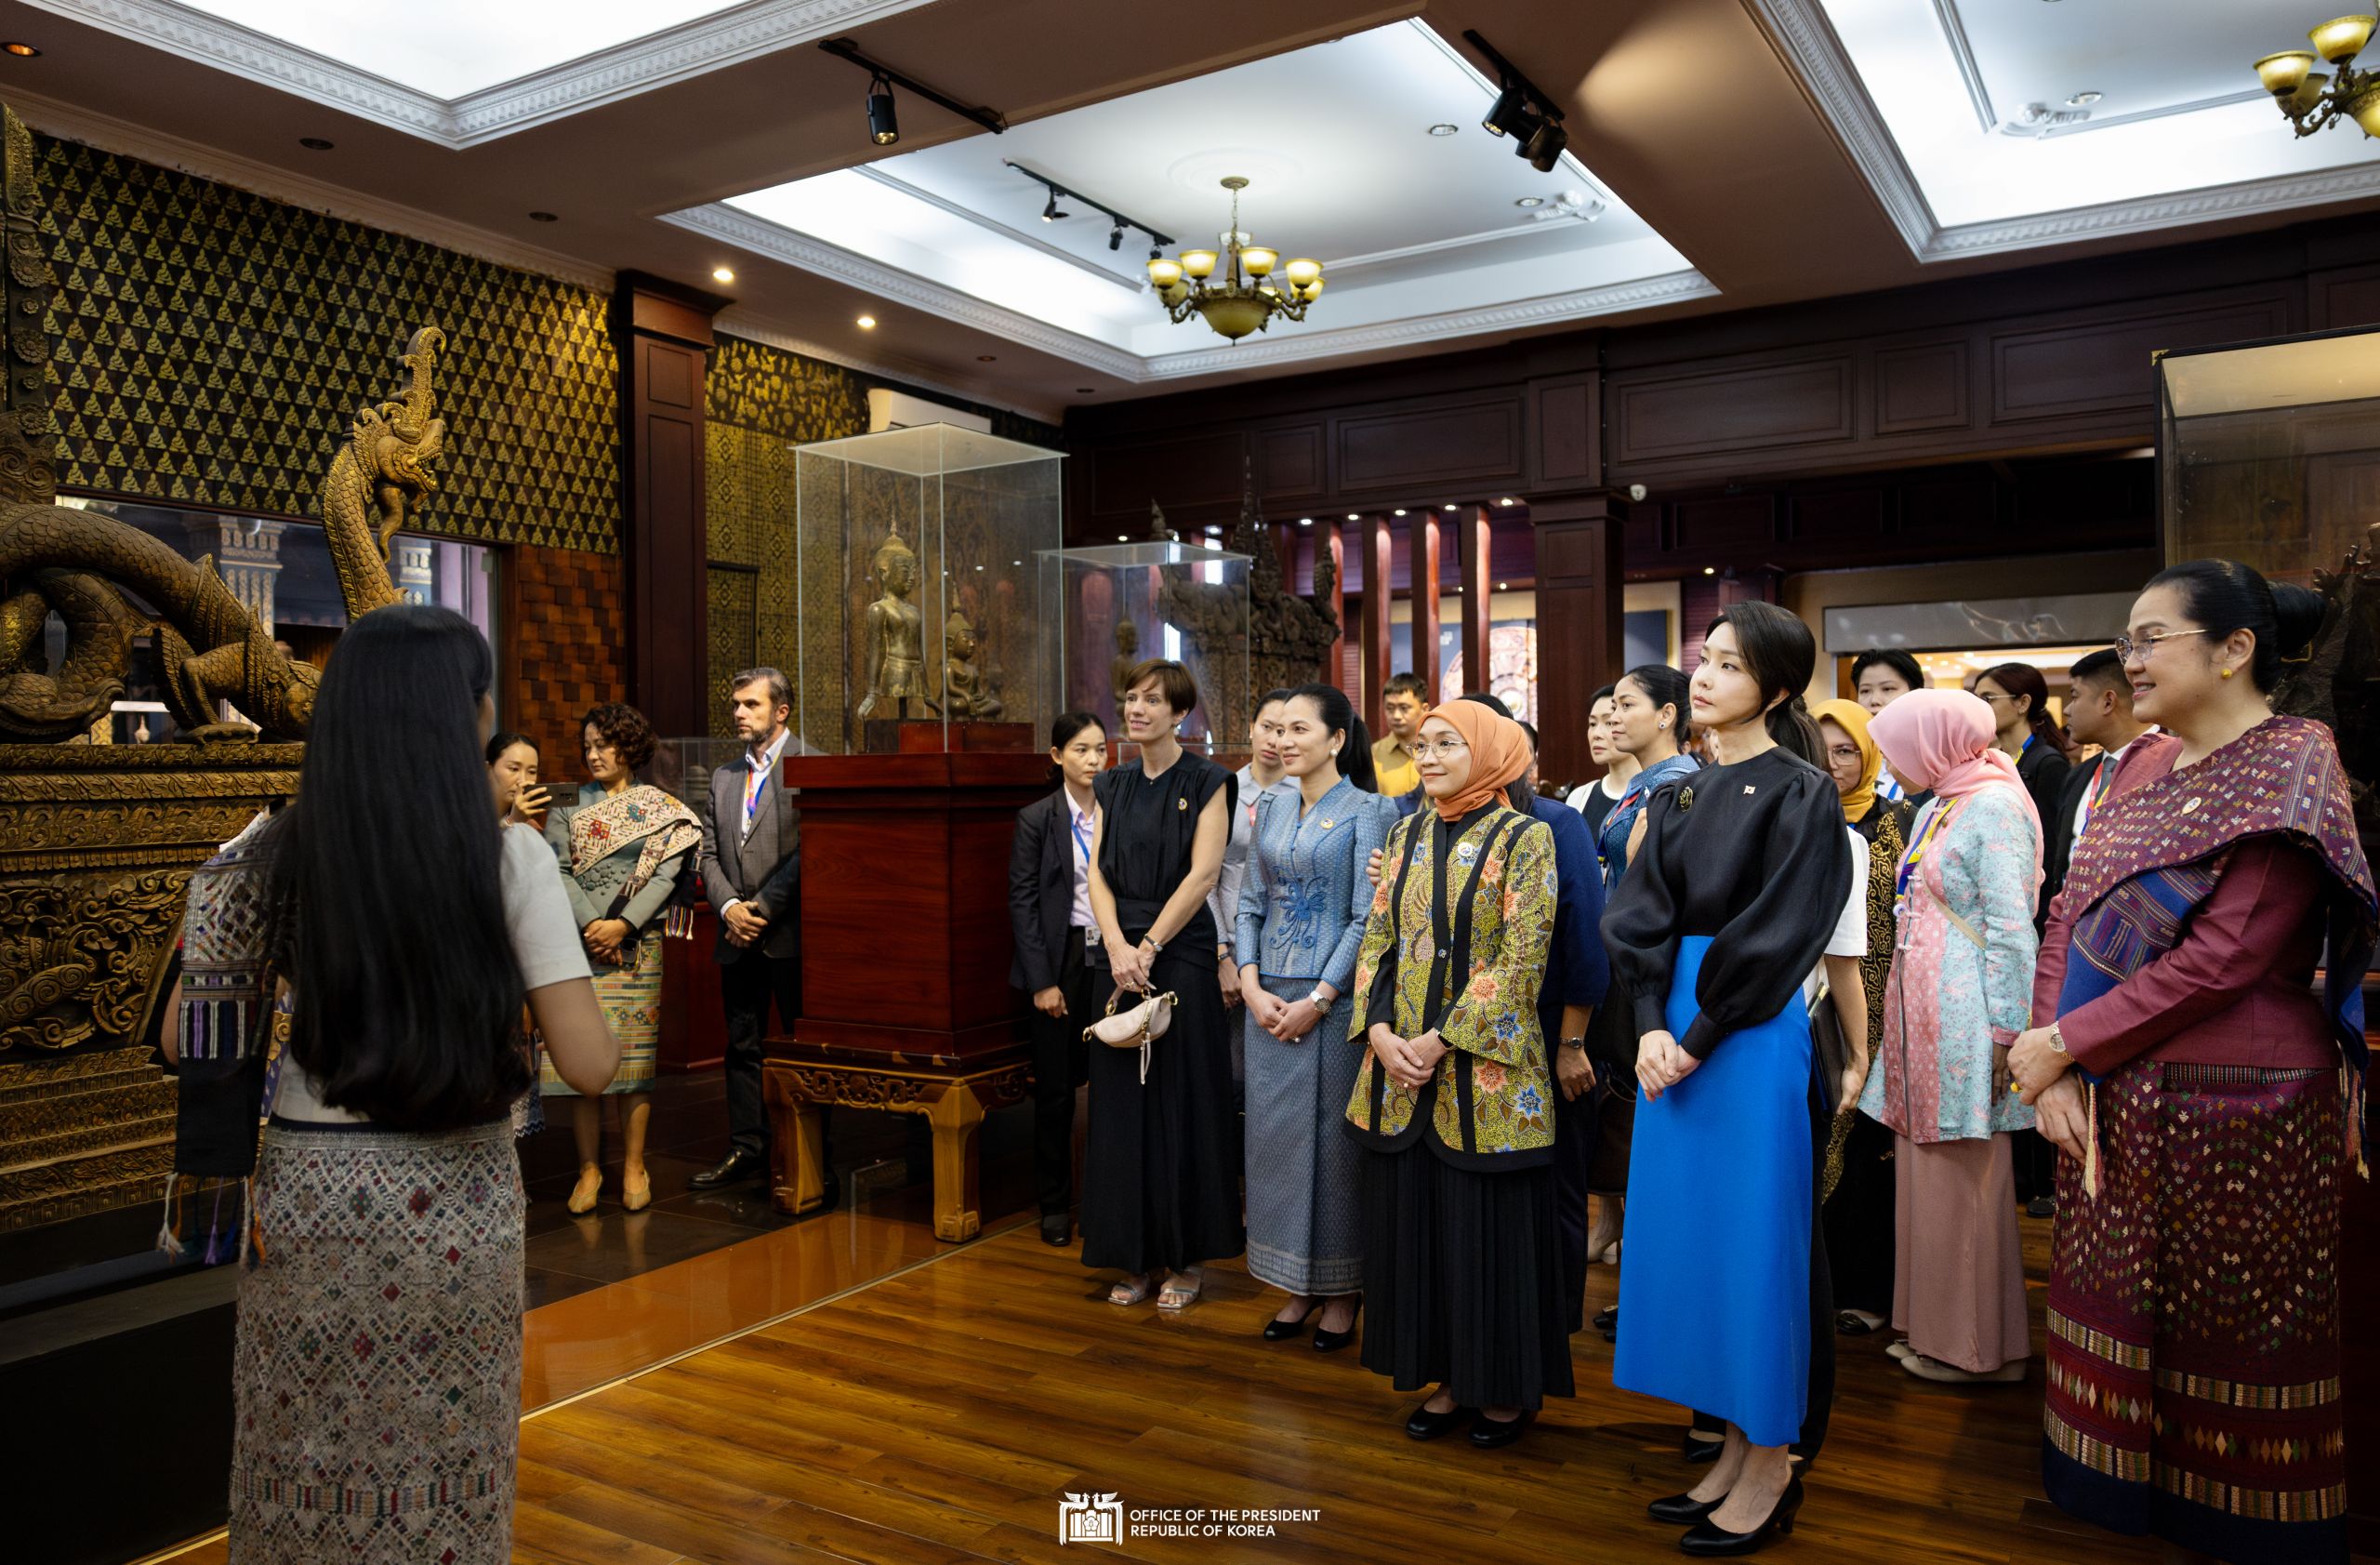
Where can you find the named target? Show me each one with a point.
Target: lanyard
(1938, 815)
(1082, 838)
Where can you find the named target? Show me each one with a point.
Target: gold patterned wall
(210, 344)
(762, 403)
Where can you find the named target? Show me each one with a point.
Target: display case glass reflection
(2269, 453)
(916, 600)
(1123, 603)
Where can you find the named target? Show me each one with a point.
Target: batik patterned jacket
(1473, 962)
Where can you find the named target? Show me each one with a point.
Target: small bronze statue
(895, 655)
(1128, 656)
(966, 692)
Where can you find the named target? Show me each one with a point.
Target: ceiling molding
(2247, 95)
(735, 322)
(762, 237)
(639, 65)
(1459, 241)
(122, 137)
(1806, 41)
(1954, 33)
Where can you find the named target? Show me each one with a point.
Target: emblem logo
(1090, 1518)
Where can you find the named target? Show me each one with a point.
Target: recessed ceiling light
(1447, 508)
(1215, 532)
(1709, 570)
(315, 144)
(1305, 521)
(1352, 517)
(1121, 538)
(866, 322)
(1506, 500)
(1017, 562)
(1400, 514)
(1503, 586)
(1529, 203)
(22, 51)
(2084, 100)
(986, 358)
(1442, 129)
(723, 274)
(544, 218)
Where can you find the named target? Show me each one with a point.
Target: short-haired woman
(1739, 881)
(1161, 1158)
(622, 845)
(2191, 1072)
(377, 1355)
(1301, 919)
(1055, 932)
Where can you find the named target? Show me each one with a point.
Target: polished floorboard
(926, 1405)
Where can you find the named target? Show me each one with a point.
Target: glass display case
(1120, 603)
(2269, 452)
(916, 600)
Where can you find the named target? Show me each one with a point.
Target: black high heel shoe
(1694, 1448)
(1332, 1342)
(1708, 1541)
(1682, 1510)
(1278, 1330)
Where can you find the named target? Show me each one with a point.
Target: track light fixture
(1523, 112)
(882, 127)
(1117, 221)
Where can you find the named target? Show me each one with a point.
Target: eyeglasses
(1842, 753)
(1993, 697)
(1446, 749)
(2126, 646)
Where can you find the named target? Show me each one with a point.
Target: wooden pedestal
(904, 956)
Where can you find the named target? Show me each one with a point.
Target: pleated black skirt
(1161, 1159)
(1463, 1279)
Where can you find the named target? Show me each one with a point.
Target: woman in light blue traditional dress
(1302, 911)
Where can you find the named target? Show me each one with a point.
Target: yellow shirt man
(1392, 754)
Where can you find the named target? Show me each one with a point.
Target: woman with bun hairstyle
(2018, 697)
(1739, 879)
(2189, 1069)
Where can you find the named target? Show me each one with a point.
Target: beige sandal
(1181, 1290)
(1131, 1291)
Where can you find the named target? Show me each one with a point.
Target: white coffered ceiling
(1999, 124)
(1422, 235)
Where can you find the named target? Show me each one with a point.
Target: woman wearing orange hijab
(1454, 1108)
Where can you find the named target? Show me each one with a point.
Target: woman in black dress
(1161, 1160)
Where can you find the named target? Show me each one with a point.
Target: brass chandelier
(1244, 300)
(2312, 100)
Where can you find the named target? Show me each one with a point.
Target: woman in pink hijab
(1961, 990)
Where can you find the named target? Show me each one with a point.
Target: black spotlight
(1544, 146)
(1116, 237)
(1050, 213)
(882, 125)
(1511, 107)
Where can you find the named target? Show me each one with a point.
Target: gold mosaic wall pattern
(210, 346)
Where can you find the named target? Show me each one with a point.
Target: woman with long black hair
(1740, 878)
(2030, 735)
(377, 1370)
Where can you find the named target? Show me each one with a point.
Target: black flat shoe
(1488, 1434)
(1682, 1510)
(1058, 1230)
(1332, 1342)
(1709, 1542)
(1278, 1330)
(1849, 1324)
(1697, 1449)
(733, 1168)
(1427, 1425)
(2042, 1206)
(1606, 1320)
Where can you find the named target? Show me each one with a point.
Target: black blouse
(1753, 855)
(1144, 850)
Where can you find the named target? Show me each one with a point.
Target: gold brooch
(1182, 803)
(1684, 799)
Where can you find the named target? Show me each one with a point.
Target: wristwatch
(1320, 1001)
(2056, 1039)
(1153, 943)
(1574, 1042)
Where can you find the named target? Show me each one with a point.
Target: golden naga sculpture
(80, 565)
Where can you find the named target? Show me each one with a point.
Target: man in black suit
(751, 870)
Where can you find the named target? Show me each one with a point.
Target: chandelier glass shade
(2315, 100)
(1254, 287)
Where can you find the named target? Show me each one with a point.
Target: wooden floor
(940, 1415)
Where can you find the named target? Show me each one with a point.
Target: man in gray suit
(751, 868)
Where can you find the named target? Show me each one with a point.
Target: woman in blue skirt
(1728, 903)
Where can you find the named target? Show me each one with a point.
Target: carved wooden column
(1579, 617)
(1422, 530)
(1329, 544)
(1476, 547)
(662, 330)
(1379, 561)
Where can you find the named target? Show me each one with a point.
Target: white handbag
(1136, 1028)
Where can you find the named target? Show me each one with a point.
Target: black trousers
(2036, 1164)
(748, 985)
(1576, 1123)
(1821, 1408)
(1060, 1064)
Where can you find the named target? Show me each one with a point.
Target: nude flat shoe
(582, 1195)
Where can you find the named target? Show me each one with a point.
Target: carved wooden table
(905, 1004)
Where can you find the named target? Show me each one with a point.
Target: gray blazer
(762, 866)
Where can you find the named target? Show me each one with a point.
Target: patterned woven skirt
(377, 1369)
(631, 1000)
(2194, 1316)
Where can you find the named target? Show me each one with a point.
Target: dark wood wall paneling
(1727, 420)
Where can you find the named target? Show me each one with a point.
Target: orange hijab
(1499, 755)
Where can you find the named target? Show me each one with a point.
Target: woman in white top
(354, 969)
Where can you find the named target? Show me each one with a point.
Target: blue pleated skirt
(1714, 1288)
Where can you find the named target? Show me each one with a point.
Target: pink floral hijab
(1941, 740)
